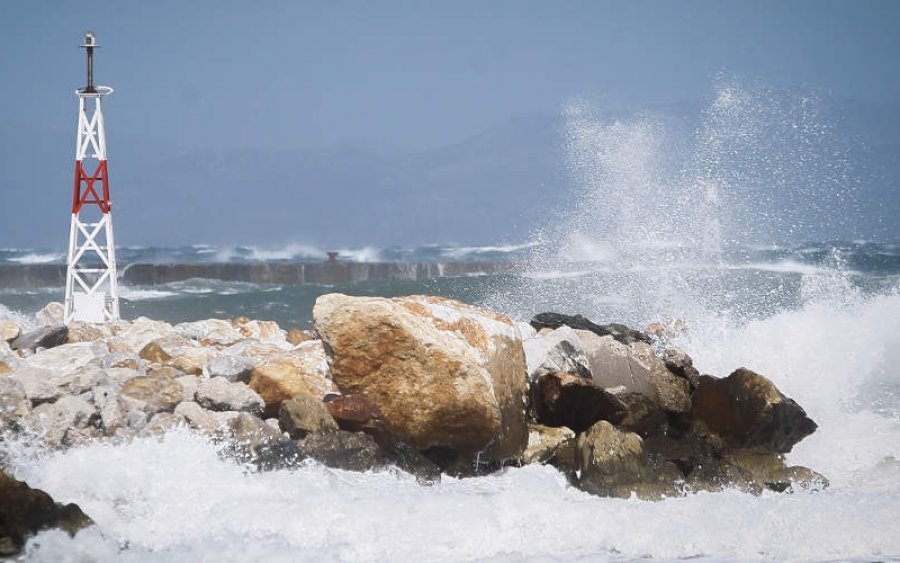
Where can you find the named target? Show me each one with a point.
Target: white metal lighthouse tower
(92, 293)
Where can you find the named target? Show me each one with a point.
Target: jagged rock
(296, 336)
(562, 399)
(13, 402)
(547, 444)
(85, 332)
(264, 331)
(746, 410)
(51, 314)
(232, 368)
(221, 395)
(161, 423)
(25, 511)
(353, 451)
(52, 420)
(304, 415)
(165, 371)
(560, 350)
(526, 332)
(254, 441)
(42, 385)
(67, 358)
(621, 333)
(189, 385)
(9, 330)
(79, 437)
(354, 413)
(123, 360)
(409, 459)
(4, 368)
(303, 371)
(635, 367)
(44, 337)
(681, 365)
(133, 336)
(208, 422)
(158, 392)
(770, 471)
(211, 332)
(112, 410)
(643, 416)
(614, 463)
(443, 374)
(155, 353)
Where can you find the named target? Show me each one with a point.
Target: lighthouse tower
(92, 293)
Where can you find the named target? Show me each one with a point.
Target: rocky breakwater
(427, 384)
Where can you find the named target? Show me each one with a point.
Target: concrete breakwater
(15, 276)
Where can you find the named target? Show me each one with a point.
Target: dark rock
(255, 442)
(746, 410)
(304, 415)
(354, 413)
(681, 365)
(620, 332)
(614, 463)
(44, 337)
(643, 416)
(409, 459)
(562, 399)
(353, 451)
(25, 511)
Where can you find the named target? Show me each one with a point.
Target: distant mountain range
(495, 186)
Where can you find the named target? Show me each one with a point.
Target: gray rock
(304, 415)
(67, 358)
(220, 394)
(620, 332)
(42, 385)
(52, 420)
(681, 365)
(353, 451)
(560, 350)
(161, 423)
(254, 441)
(563, 399)
(189, 383)
(13, 402)
(208, 422)
(44, 337)
(233, 368)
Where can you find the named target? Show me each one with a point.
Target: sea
(699, 245)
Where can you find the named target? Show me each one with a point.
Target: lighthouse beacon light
(92, 293)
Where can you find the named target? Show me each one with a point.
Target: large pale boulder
(211, 332)
(67, 357)
(9, 330)
(283, 375)
(133, 336)
(635, 367)
(220, 394)
(560, 350)
(746, 410)
(51, 314)
(444, 375)
(43, 385)
(51, 421)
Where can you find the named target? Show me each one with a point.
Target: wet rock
(353, 451)
(681, 365)
(637, 369)
(442, 374)
(254, 441)
(304, 415)
(158, 392)
(9, 330)
(612, 462)
(562, 399)
(208, 422)
(44, 337)
(80, 437)
(412, 461)
(13, 402)
(52, 420)
(51, 314)
(25, 511)
(746, 410)
(643, 416)
(552, 445)
(112, 411)
(621, 333)
(353, 413)
(303, 371)
(220, 394)
(559, 350)
(161, 423)
(770, 471)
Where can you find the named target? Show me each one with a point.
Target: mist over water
(697, 223)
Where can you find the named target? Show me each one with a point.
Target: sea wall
(54, 275)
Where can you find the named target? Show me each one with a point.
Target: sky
(410, 74)
(203, 88)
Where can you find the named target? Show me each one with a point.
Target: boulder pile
(428, 384)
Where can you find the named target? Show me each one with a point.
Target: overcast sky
(419, 74)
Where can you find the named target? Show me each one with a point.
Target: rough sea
(821, 319)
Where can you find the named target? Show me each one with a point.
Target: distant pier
(27, 276)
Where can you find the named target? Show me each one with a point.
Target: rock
(80, 437)
(24, 511)
(746, 410)
(112, 412)
(189, 385)
(562, 399)
(208, 422)
(560, 350)
(52, 420)
(302, 372)
(354, 413)
(612, 462)
(123, 360)
(158, 392)
(132, 337)
(304, 415)
(621, 333)
(643, 416)
(153, 352)
(296, 336)
(4, 368)
(67, 358)
(264, 331)
(85, 332)
(443, 374)
(221, 395)
(51, 314)
(550, 445)
(682, 365)
(13, 402)
(162, 423)
(635, 367)
(211, 332)
(254, 441)
(9, 330)
(44, 337)
(771, 472)
(353, 451)
(526, 332)
(42, 385)
(232, 368)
